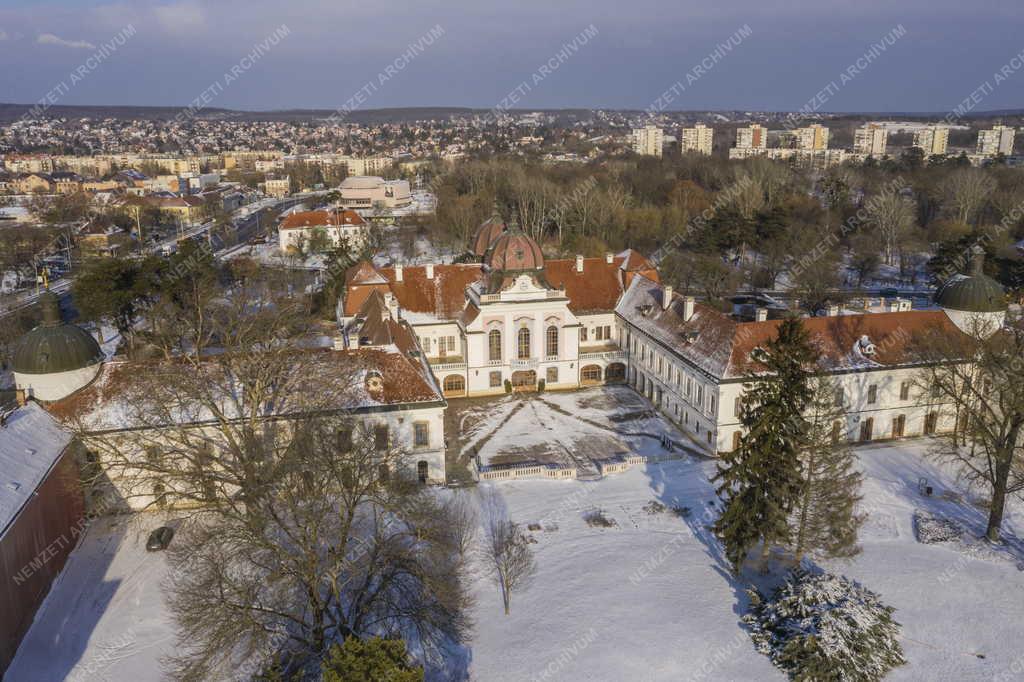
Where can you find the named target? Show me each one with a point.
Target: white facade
(812, 138)
(998, 140)
(932, 140)
(49, 387)
(752, 137)
(649, 140)
(697, 139)
(871, 140)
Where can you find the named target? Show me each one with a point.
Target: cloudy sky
(636, 51)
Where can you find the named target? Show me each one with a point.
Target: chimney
(666, 296)
(392, 306)
(760, 314)
(688, 304)
(339, 342)
(609, 257)
(20, 397)
(579, 263)
(430, 271)
(398, 272)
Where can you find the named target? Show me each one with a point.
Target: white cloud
(50, 39)
(183, 17)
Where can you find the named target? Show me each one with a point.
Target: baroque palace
(412, 338)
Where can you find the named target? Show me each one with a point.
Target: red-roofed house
(299, 228)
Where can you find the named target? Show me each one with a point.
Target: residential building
(871, 140)
(813, 138)
(278, 187)
(298, 229)
(696, 139)
(752, 137)
(370, 165)
(649, 140)
(998, 140)
(933, 140)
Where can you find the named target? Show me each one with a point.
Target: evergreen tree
(760, 481)
(825, 628)
(825, 519)
(370, 660)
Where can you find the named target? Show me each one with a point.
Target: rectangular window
(495, 379)
(421, 434)
(737, 407)
(711, 404)
(344, 438)
(905, 390)
(872, 394)
(552, 375)
(688, 389)
(583, 334)
(840, 396)
(700, 396)
(607, 332)
(380, 437)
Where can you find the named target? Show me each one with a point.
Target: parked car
(159, 539)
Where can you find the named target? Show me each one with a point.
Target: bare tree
(967, 190)
(507, 548)
(978, 378)
(302, 526)
(892, 215)
(336, 547)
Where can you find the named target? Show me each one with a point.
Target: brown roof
(105, 404)
(489, 230)
(848, 342)
(720, 346)
(442, 296)
(597, 288)
(515, 252)
(303, 219)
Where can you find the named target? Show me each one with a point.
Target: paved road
(251, 221)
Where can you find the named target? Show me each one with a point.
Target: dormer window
(374, 383)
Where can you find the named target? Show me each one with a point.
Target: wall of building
(48, 387)
(35, 547)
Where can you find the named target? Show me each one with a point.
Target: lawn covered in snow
(651, 599)
(646, 599)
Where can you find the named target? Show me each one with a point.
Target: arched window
(494, 346)
(454, 383)
(551, 340)
(523, 343)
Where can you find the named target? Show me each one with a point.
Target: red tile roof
(304, 219)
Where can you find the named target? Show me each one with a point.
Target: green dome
(55, 346)
(974, 293)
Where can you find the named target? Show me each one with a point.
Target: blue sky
(334, 48)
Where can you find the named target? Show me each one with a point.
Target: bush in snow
(825, 628)
(934, 529)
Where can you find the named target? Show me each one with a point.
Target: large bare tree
(980, 379)
(301, 529)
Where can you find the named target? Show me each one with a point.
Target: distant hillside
(12, 112)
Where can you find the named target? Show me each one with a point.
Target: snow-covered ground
(105, 617)
(647, 599)
(651, 599)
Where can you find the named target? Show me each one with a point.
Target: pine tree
(760, 481)
(825, 519)
(825, 628)
(370, 660)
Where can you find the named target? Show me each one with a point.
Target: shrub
(540, 386)
(825, 628)
(508, 386)
(597, 518)
(931, 529)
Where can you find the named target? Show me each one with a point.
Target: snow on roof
(31, 442)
